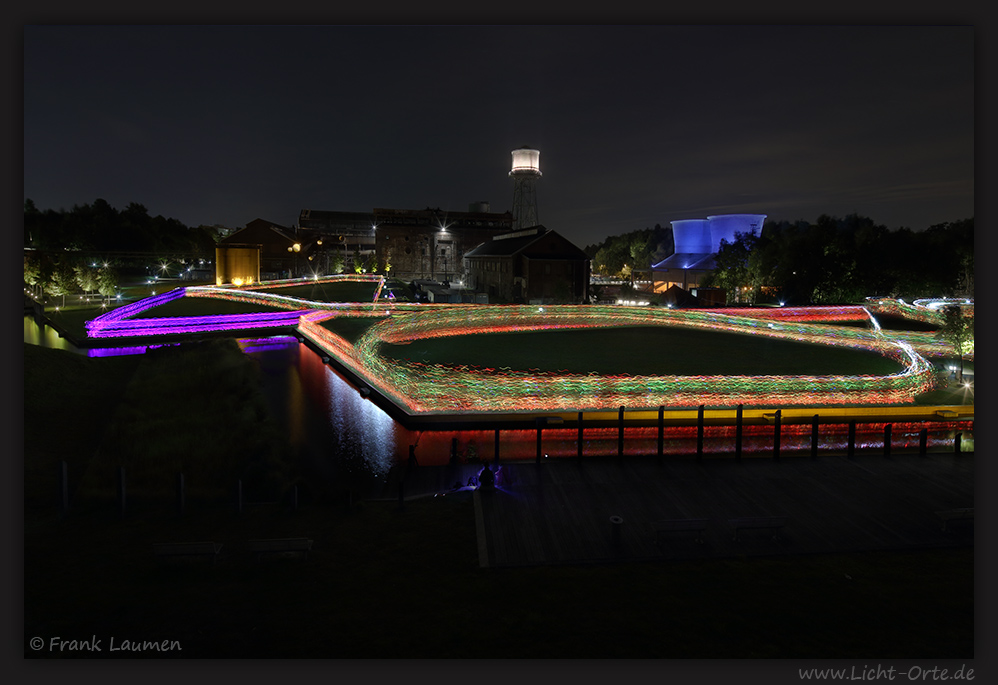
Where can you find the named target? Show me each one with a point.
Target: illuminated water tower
(525, 172)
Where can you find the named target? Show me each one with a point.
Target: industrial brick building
(408, 244)
(535, 265)
(262, 250)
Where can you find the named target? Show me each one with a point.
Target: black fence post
(453, 451)
(887, 439)
(923, 441)
(294, 498)
(776, 434)
(852, 439)
(661, 432)
(956, 442)
(620, 432)
(579, 447)
(496, 450)
(814, 436)
(738, 433)
(700, 432)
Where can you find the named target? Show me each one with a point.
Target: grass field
(347, 291)
(203, 306)
(643, 351)
(350, 328)
(616, 351)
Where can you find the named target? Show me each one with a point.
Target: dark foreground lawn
(385, 582)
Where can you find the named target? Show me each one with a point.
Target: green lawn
(204, 306)
(644, 351)
(347, 291)
(350, 328)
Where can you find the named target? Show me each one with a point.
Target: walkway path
(560, 511)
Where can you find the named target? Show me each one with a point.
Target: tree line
(833, 260)
(839, 260)
(76, 251)
(99, 227)
(620, 255)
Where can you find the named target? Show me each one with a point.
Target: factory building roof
(536, 242)
(687, 260)
(261, 232)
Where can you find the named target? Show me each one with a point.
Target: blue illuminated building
(697, 241)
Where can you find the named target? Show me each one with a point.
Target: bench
(187, 549)
(965, 516)
(664, 529)
(279, 546)
(774, 523)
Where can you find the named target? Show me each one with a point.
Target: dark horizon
(636, 125)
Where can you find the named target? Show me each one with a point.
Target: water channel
(341, 434)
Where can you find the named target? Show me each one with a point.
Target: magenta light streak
(117, 323)
(196, 324)
(277, 342)
(130, 310)
(123, 351)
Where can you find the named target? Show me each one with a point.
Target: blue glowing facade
(725, 226)
(697, 241)
(692, 236)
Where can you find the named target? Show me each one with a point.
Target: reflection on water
(357, 427)
(36, 333)
(335, 431)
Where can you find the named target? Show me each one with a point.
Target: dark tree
(732, 271)
(958, 331)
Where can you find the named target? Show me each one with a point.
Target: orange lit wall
(239, 265)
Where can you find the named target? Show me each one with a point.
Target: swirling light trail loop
(452, 388)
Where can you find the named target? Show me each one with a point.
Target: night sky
(636, 126)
